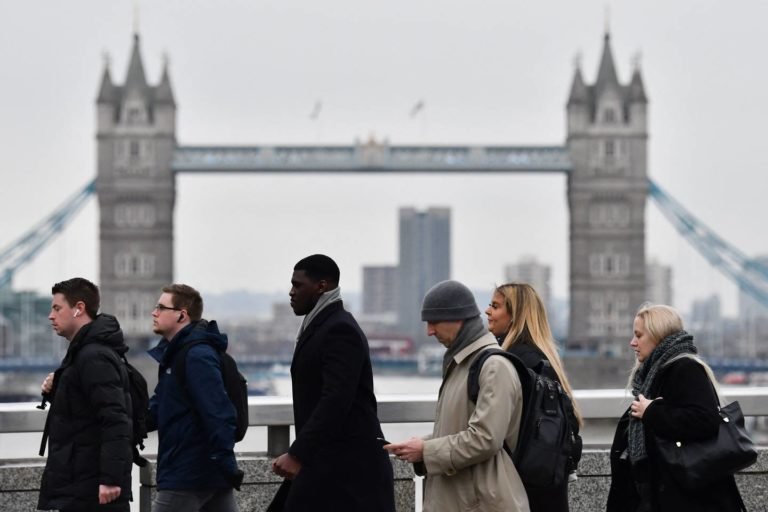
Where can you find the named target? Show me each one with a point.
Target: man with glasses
(195, 420)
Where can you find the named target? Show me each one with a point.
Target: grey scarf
(472, 329)
(324, 301)
(673, 345)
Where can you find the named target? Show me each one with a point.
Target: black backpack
(548, 444)
(235, 383)
(137, 387)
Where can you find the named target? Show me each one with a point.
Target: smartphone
(382, 441)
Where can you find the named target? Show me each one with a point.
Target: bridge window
(135, 112)
(610, 148)
(609, 115)
(128, 264)
(134, 311)
(134, 156)
(135, 215)
(609, 314)
(134, 149)
(134, 115)
(609, 214)
(609, 264)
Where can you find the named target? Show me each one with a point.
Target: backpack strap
(49, 396)
(526, 380)
(473, 378)
(44, 439)
(545, 368)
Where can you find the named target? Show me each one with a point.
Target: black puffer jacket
(89, 423)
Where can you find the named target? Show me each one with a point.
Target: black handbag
(696, 464)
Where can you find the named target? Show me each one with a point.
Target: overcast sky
(491, 72)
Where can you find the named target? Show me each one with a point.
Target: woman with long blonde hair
(518, 319)
(675, 398)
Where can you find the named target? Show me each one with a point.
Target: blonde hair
(660, 321)
(529, 322)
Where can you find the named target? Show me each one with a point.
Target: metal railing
(276, 412)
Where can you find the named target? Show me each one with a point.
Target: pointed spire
(136, 78)
(606, 74)
(164, 91)
(637, 89)
(107, 89)
(579, 91)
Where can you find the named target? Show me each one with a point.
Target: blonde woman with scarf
(674, 398)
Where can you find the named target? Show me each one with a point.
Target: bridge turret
(606, 194)
(579, 104)
(164, 104)
(106, 111)
(638, 101)
(136, 141)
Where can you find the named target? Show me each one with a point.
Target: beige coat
(467, 467)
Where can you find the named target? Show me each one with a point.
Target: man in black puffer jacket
(88, 428)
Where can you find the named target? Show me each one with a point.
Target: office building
(425, 260)
(528, 270)
(380, 292)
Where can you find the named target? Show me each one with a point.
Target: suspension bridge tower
(607, 190)
(136, 139)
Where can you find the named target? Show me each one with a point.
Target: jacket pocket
(59, 465)
(467, 488)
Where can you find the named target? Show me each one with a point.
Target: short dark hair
(185, 297)
(319, 267)
(79, 289)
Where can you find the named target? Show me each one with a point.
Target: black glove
(236, 479)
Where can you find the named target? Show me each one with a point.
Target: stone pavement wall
(20, 480)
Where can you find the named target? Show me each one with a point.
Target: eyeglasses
(162, 307)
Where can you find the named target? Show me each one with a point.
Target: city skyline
(691, 58)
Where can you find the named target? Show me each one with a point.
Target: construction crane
(750, 275)
(23, 250)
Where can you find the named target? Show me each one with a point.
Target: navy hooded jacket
(196, 425)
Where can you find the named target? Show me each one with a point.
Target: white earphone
(77, 312)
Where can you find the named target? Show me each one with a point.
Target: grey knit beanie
(448, 300)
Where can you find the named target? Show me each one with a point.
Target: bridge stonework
(136, 125)
(607, 191)
(605, 160)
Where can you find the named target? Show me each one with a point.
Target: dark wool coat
(687, 411)
(195, 424)
(541, 500)
(89, 423)
(344, 468)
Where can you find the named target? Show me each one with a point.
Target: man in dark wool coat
(336, 462)
(88, 428)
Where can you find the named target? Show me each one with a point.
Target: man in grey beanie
(464, 460)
